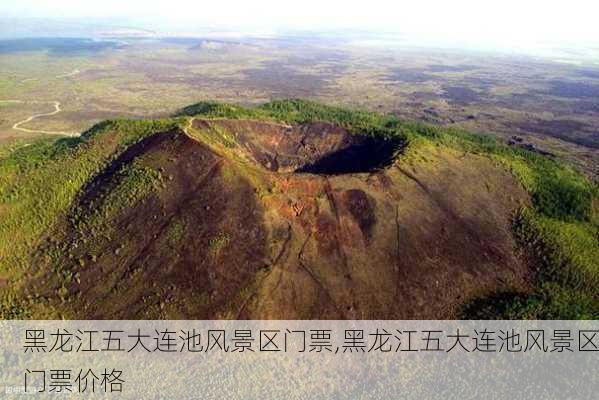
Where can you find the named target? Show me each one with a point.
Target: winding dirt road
(67, 75)
(17, 126)
(57, 109)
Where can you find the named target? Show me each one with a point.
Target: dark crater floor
(316, 148)
(366, 154)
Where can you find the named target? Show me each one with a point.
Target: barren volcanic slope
(292, 210)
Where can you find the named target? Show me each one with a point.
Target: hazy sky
(507, 22)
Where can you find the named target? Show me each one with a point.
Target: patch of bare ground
(184, 250)
(241, 229)
(403, 241)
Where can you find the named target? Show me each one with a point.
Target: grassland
(546, 102)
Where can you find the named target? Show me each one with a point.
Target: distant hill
(292, 210)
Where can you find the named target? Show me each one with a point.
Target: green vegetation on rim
(297, 111)
(560, 230)
(39, 182)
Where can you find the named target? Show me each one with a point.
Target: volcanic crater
(264, 220)
(317, 147)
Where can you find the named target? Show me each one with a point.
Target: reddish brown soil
(318, 147)
(235, 234)
(162, 253)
